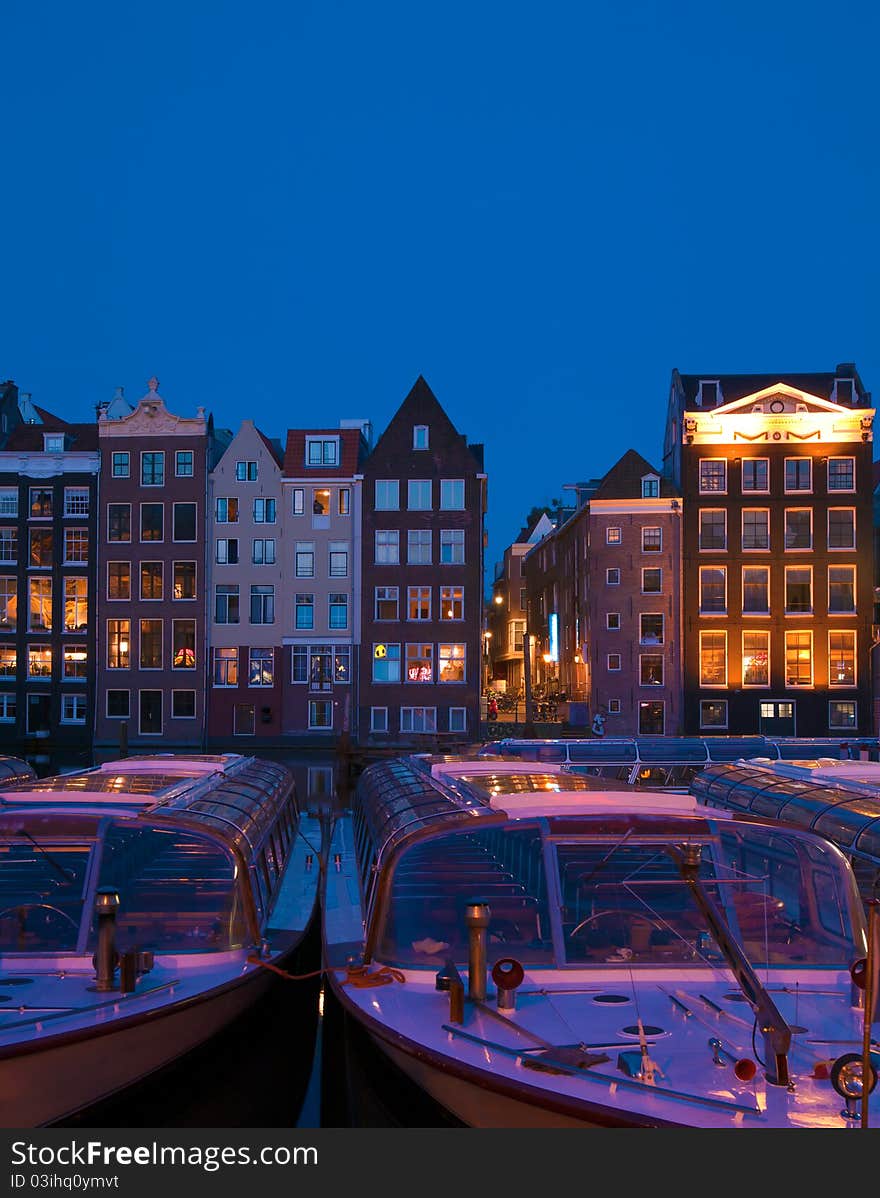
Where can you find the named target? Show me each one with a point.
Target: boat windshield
(177, 892)
(788, 899)
(42, 883)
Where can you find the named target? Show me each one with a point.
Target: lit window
(451, 663)
(226, 510)
(713, 475)
(183, 638)
(652, 540)
(118, 644)
(713, 659)
(651, 669)
(76, 605)
(261, 667)
(386, 603)
(418, 600)
(841, 659)
(756, 658)
(226, 667)
(452, 603)
(612, 536)
(799, 659)
(419, 663)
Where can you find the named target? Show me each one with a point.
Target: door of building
(38, 714)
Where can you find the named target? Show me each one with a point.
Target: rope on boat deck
(291, 977)
(361, 978)
(358, 976)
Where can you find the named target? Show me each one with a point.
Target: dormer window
(420, 436)
(53, 442)
(322, 451)
(709, 393)
(844, 391)
(650, 486)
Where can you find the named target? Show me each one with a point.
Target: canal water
(293, 1059)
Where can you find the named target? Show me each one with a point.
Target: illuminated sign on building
(778, 414)
(553, 626)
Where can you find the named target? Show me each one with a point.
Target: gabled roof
(352, 451)
(28, 438)
(737, 386)
(274, 447)
(624, 479)
(786, 394)
(421, 404)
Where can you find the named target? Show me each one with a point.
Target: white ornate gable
(152, 419)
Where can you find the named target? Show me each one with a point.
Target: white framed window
(842, 714)
(799, 658)
(304, 559)
(378, 719)
(651, 628)
(8, 501)
(304, 617)
(76, 604)
(120, 465)
(841, 590)
(713, 476)
(386, 662)
(183, 645)
(76, 546)
(419, 496)
(225, 666)
(8, 545)
(322, 451)
(652, 540)
(458, 719)
(612, 662)
(842, 658)
(388, 547)
(226, 509)
(74, 663)
(418, 603)
(798, 528)
(713, 713)
(183, 522)
(650, 486)
(418, 719)
(713, 529)
(612, 576)
(76, 501)
(756, 476)
(264, 511)
(756, 528)
(261, 667)
(8, 603)
(53, 442)
(708, 392)
(153, 468)
(73, 709)
(756, 590)
(452, 546)
(421, 436)
(841, 474)
(344, 501)
(227, 551)
(798, 590)
(386, 603)
(244, 719)
(798, 474)
(39, 661)
(713, 659)
(183, 463)
(419, 662)
(263, 552)
(652, 580)
(452, 494)
(337, 611)
(452, 603)
(613, 535)
(320, 713)
(614, 707)
(338, 559)
(452, 663)
(418, 546)
(713, 590)
(756, 658)
(41, 503)
(263, 604)
(246, 472)
(650, 669)
(612, 621)
(387, 495)
(299, 501)
(841, 528)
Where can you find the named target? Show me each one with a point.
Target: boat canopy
(196, 857)
(683, 750)
(12, 768)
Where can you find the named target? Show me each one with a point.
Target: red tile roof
(351, 453)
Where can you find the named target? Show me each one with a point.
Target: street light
(487, 636)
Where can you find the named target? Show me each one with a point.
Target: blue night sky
(291, 210)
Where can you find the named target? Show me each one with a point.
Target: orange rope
(291, 977)
(360, 977)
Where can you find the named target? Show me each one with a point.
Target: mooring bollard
(106, 906)
(476, 916)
